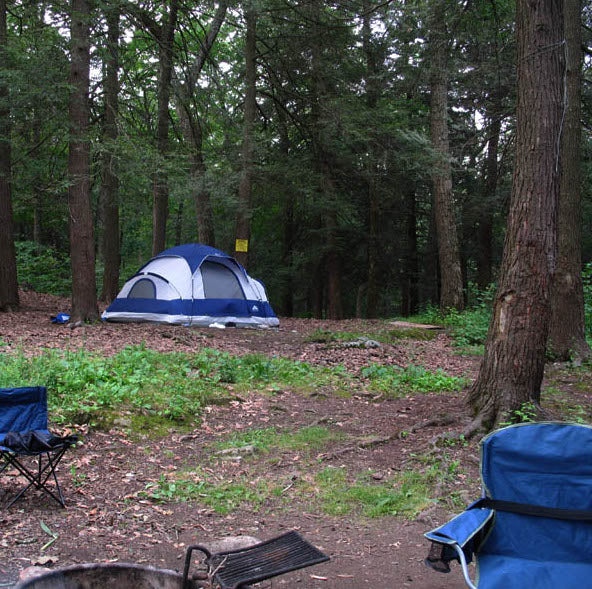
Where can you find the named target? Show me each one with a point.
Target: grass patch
(264, 440)
(407, 494)
(88, 387)
(395, 381)
(261, 370)
(568, 405)
(415, 333)
(223, 497)
(326, 336)
(84, 386)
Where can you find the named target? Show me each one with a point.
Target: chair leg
(38, 479)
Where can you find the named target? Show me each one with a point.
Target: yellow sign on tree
(242, 245)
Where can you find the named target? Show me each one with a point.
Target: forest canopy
(305, 127)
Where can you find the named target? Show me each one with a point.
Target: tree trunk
(9, 297)
(410, 295)
(567, 336)
(82, 247)
(288, 226)
(109, 195)
(325, 164)
(451, 292)
(179, 222)
(372, 94)
(317, 290)
(513, 365)
(334, 305)
(193, 132)
(485, 214)
(243, 210)
(160, 180)
(37, 190)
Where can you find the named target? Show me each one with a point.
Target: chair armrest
(461, 529)
(458, 540)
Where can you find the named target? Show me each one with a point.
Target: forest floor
(110, 480)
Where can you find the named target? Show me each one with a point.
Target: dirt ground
(109, 518)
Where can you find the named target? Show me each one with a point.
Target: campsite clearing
(359, 473)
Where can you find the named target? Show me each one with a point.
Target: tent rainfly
(193, 284)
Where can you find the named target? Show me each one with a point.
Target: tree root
(434, 422)
(363, 445)
(475, 428)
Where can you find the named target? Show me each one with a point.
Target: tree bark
(334, 304)
(193, 131)
(325, 164)
(193, 137)
(9, 297)
(109, 195)
(160, 180)
(567, 337)
(485, 215)
(243, 211)
(409, 289)
(179, 222)
(512, 368)
(82, 247)
(288, 226)
(372, 94)
(451, 292)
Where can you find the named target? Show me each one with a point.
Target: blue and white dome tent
(193, 284)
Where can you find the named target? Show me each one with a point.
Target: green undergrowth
(268, 439)
(406, 494)
(468, 328)
(334, 491)
(43, 269)
(153, 388)
(569, 402)
(221, 496)
(415, 333)
(394, 381)
(89, 387)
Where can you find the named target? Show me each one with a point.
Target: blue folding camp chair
(25, 439)
(533, 525)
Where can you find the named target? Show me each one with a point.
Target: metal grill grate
(277, 556)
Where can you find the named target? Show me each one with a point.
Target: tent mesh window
(143, 289)
(220, 282)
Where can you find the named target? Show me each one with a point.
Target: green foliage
(397, 381)
(407, 494)
(85, 386)
(526, 413)
(415, 333)
(569, 408)
(43, 269)
(468, 328)
(222, 367)
(321, 336)
(308, 438)
(221, 496)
